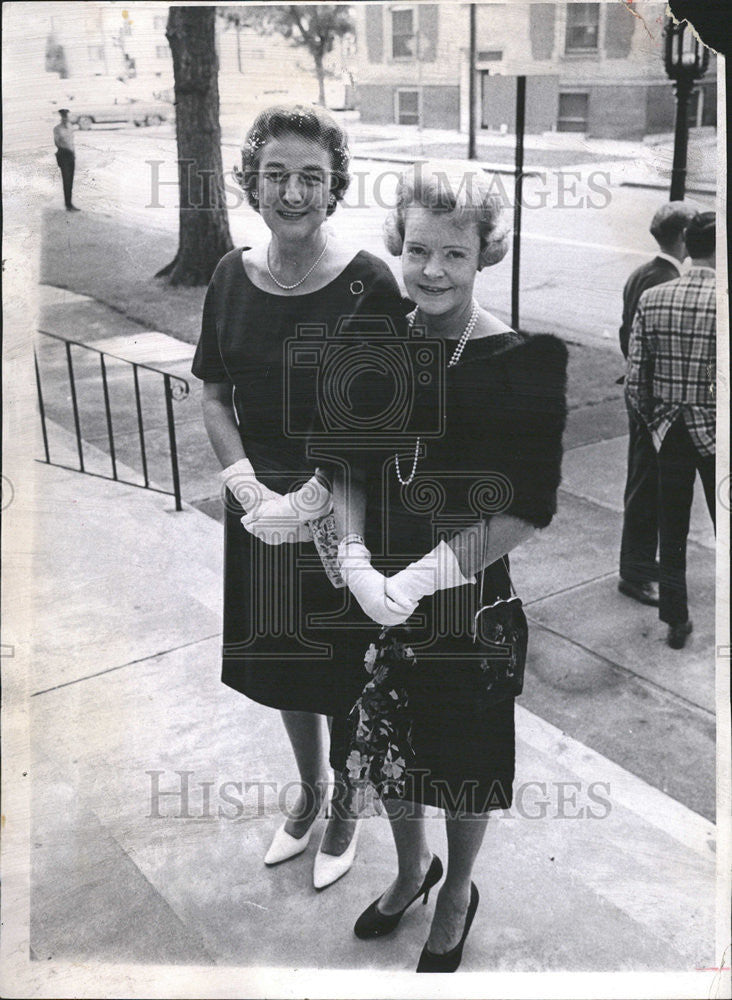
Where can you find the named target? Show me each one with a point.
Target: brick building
(595, 68)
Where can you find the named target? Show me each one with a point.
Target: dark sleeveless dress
(285, 641)
(500, 453)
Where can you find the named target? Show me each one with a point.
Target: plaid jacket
(672, 357)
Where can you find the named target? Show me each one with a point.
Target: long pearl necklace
(304, 277)
(456, 355)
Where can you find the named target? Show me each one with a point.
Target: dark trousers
(66, 161)
(640, 518)
(678, 463)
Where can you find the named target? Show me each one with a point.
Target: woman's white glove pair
(392, 600)
(273, 518)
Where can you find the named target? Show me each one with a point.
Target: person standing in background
(671, 386)
(639, 543)
(63, 137)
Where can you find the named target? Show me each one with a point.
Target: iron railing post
(110, 431)
(173, 445)
(140, 428)
(41, 407)
(75, 405)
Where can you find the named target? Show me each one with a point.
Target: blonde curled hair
(458, 188)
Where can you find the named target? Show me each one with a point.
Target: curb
(494, 168)
(649, 185)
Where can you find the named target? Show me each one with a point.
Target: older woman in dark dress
(257, 408)
(445, 513)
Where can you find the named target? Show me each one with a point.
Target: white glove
(272, 531)
(368, 586)
(438, 570)
(240, 479)
(311, 501)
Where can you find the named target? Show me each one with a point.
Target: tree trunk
(204, 235)
(321, 77)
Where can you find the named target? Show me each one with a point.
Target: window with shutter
(402, 33)
(583, 27)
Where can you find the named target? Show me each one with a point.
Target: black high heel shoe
(373, 923)
(449, 961)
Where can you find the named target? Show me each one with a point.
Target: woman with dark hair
(444, 512)
(257, 409)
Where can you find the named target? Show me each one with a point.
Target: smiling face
(293, 186)
(439, 260)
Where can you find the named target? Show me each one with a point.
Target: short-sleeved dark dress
(500, 453)
(285, 643)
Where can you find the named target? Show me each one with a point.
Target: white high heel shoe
(329, 868)
(284, 846)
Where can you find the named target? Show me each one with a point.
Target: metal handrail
(175, 388)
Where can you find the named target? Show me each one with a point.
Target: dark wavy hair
(308, 122)
(701, 235)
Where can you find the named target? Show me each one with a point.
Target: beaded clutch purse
(325, 539)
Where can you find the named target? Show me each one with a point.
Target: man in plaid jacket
(670, 384)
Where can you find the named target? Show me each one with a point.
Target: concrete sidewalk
(593, 870)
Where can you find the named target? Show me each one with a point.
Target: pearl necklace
(304, 277)
(456, 355)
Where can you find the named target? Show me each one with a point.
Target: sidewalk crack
(130, 663)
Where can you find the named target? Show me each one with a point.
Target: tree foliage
(314, 27)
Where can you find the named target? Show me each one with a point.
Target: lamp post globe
(686, 60)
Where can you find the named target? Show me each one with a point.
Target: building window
(160, 23)
(572, 112)
(95, 53)
(407, 107)
(490, 55)
(162, 51)
(402, 33)
(583, 27)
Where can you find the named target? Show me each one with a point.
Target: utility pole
(518, 196)
(471, 86)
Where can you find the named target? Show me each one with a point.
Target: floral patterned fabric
(380, 726)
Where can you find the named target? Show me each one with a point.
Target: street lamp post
(686, 60)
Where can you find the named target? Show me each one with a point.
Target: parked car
(127, 110)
